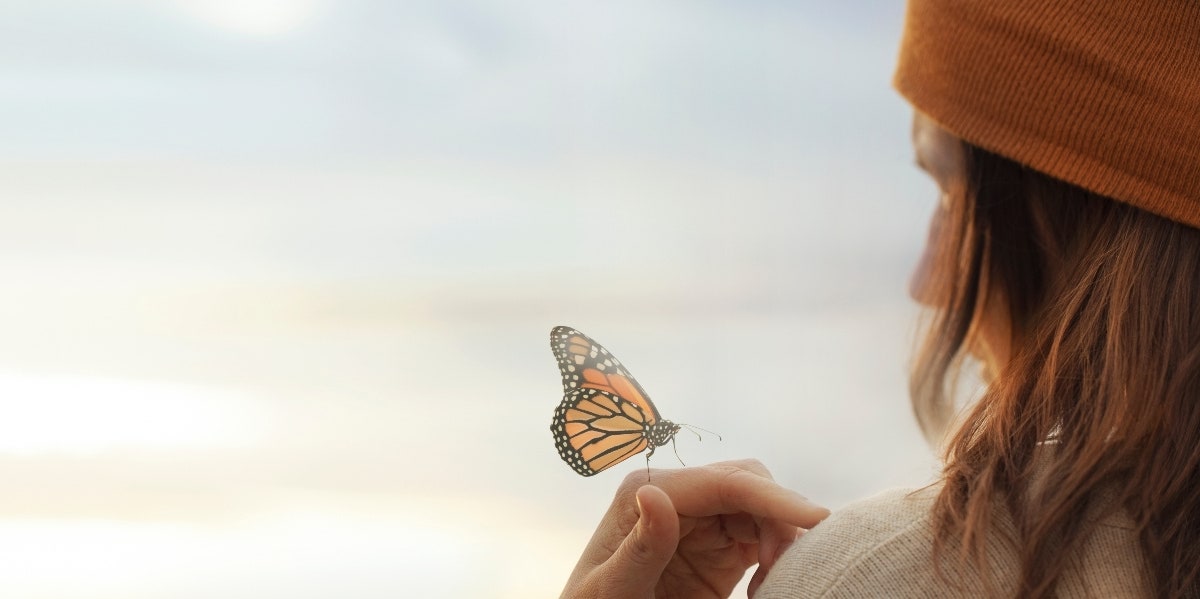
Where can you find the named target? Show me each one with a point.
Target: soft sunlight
(331, 546)
(253, 17)
(77, 415)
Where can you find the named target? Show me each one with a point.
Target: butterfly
(605, 415)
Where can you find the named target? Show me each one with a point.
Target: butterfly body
(605, 415)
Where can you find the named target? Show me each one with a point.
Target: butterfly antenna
(693, 430)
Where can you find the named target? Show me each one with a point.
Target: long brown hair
(1104, 305)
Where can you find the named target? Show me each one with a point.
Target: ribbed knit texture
(1103, 94)
(883, 547)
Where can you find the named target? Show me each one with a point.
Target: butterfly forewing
(585, 364)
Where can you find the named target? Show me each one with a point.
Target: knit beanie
(1103, 94)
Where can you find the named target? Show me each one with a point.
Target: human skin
(691, 532)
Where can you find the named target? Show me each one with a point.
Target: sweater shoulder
(882, 546)
(878, 544)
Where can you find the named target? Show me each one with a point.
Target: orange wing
(585, 364)
(595, 429)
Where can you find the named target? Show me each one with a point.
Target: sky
(276, 277)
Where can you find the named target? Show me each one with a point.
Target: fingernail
(643, 523)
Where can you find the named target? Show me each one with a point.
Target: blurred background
(277, 277)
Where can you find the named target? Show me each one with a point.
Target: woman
(1064, 257)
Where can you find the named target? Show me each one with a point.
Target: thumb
(637, 564)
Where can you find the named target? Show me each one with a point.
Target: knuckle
(751, 464)
(755, 466)
(730, 489)
(636, 479)
(630, 481)
(633, 481)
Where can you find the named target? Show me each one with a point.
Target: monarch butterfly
(605, 415)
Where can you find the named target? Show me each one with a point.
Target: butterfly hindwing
(594, 430)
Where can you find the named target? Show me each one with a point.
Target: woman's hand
(691, 533)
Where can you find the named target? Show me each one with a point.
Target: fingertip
(655, 510)
(650, 495)
(813, 514)
(812, 505)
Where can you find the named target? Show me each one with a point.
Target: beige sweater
(882, 547)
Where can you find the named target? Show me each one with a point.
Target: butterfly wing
(585, 364)
(595, 429)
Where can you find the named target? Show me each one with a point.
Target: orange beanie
(1104, 94)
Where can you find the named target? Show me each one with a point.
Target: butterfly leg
(648, 454)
